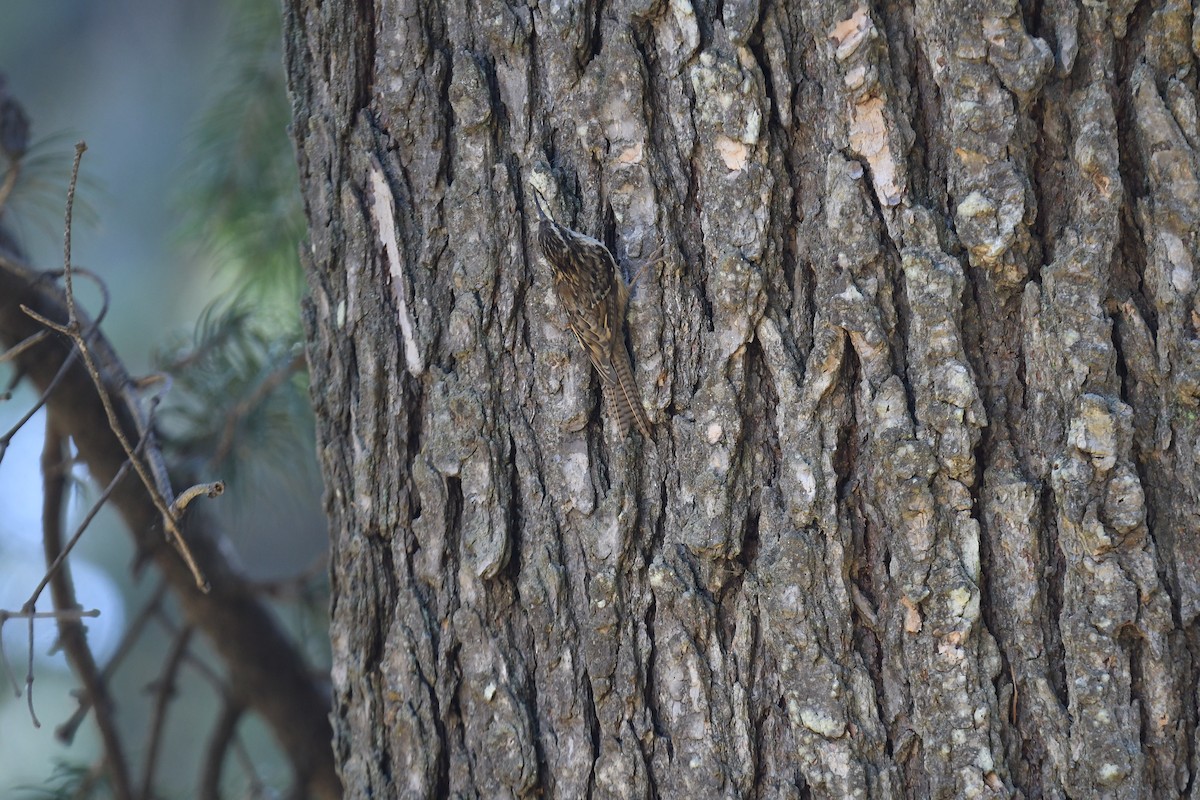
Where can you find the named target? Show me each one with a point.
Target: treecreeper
(593, 291)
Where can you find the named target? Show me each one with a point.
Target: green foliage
(240, 398)
(239, 406)
(67, 781)
(39, 189)
(242, 189)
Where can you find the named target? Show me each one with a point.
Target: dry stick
(223, 689)
(29, 678)
(19, 266)
(158, 490)
(12, 353)
(203, 669)
(87, 520)
(66, 731)
(164, 692)
(246, 635)
(257, 785)
(72, 317)
(71, 635)
(21, 347)
(224, 734)
(62, 371)
(208, 673)
(105, 297)
(41, 401)
(30, 342)
(214, 489)
(65, 614)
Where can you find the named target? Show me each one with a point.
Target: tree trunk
(920, 514)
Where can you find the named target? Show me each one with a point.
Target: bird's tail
(621, 394)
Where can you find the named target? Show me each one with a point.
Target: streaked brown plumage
(592, 289)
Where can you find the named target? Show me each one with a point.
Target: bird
(591, 288)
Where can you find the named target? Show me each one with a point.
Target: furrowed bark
(922, 358)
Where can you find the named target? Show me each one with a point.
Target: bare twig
(28, 613)
(66, 731)
(257, 785)
(58, 614)
(41, 401)
(71, 634)
(214, 489)
(33, 341)
(105, 298)
(29, 678)
(16, 350)
(12, 352)
(62, 614)
(87, 520)
(17, 265)
(164, 692)
(158, 486)
(80, 149)
(224, 734)
(193, 660)
(266, 671)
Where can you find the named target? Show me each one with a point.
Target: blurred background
(188, 211)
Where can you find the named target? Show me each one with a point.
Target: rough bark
(920, 514)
